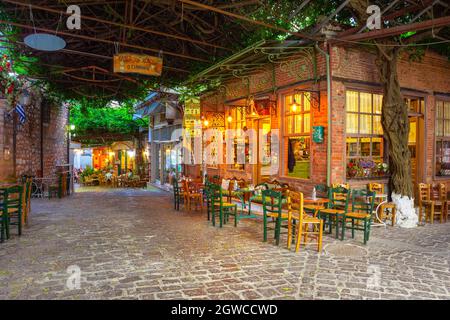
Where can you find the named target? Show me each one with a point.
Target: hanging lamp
(44, 41)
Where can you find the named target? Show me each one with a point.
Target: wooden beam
(240, 17)
(122, 25)
(93, 55)
(389, 32)
(179, 55)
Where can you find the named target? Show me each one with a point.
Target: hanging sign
(191, 118)
(318, 133)
(137, 63)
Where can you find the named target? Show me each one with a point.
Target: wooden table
(315, 204)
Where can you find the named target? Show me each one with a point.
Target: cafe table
(315, 204)
(384, 199)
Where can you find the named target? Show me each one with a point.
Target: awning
(155, 107)
(253, 59)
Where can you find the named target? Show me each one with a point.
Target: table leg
(380, 223)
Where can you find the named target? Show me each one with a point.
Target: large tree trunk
(395, 124)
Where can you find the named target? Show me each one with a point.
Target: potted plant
(352, 168)
(367, 167)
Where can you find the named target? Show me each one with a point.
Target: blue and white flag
(21, 113)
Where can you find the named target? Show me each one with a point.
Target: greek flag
(21, 113)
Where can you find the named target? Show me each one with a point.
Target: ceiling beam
(90, 54)
(244, 18)
(122, 25)
(179, 55)
(389, 32)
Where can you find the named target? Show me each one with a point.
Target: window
(238, 122)
(297, 108)
(443, 138)
(365, 145)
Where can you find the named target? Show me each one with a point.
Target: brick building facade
(356, 132)
(41, 142)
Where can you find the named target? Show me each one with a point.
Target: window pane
(288, 124)
(439, 110)
(365, 102)
(287, 103)
(377, 128)
(377, 103)
(299, 157)
(352, 123)
(439, 127)
(352, 101)
(307, 122)
(365, 124)
(298, 119)
(352, 147)
(365, 147)
(377, 147)
(306, 101)
(447, 128)
(447, 110)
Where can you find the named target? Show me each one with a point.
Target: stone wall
(30, 159)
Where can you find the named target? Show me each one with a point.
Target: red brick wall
(430, 75)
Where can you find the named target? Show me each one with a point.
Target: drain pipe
(327, 57)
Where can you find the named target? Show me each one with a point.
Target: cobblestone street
(131, 244)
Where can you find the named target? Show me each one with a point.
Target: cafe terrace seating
(338, 209)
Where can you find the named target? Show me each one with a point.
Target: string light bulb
(230, 118)
(206, 123)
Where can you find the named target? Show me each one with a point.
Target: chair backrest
(322, 190)
(176, 187)
(272, 201)
(363, 201)
(377, 187)
(14, 196)
(295, 204)
(339, 198)
(3, 196)
(424, 192)
(216, 194)
(343, 185)
(442, 192)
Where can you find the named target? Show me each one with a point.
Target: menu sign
(137, 63)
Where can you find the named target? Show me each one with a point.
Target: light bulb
(230, 118)
(206, 123)
(294, 107)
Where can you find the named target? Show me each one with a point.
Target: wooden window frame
(285, 113)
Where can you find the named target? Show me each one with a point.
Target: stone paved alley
(132, 244)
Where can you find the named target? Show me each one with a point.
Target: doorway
(263, 166)
(415, 139)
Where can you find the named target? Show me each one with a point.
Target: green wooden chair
(272, 208)
(178, 194)
(362, 209)
(218, 205)
(207, 194)
(13, 204)
(337, 208)
(3, 215)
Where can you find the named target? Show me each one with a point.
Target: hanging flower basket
(10, 87)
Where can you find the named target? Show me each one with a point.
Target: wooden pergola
(187, 34)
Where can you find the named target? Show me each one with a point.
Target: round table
(318, 203)
(384, 199)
